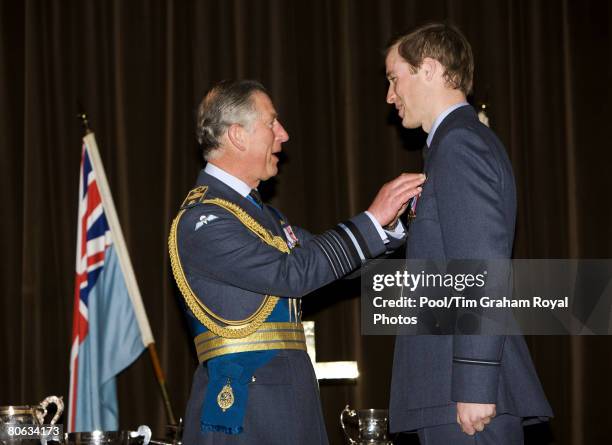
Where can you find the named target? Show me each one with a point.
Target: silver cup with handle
(365, 426)
(31, 414)
(140, 437)
(28, 416)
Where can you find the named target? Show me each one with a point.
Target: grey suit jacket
(230, 268)
(467, 210)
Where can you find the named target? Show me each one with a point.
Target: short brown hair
(444, 43)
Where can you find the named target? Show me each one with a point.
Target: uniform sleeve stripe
(334, 253)
(331, 263)
(334, 250)
(333, 235)
(470, 361)
(356, 256)
(353, 241)
(357, 239)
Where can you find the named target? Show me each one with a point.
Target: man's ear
(237, 135)
(430, 68)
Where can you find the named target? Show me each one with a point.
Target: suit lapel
(426, 156)
(274, 221)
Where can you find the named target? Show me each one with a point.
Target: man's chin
(272, 172)
(411, 125)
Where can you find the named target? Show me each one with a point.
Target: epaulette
(195, 196)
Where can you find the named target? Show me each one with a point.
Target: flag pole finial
(82, 116)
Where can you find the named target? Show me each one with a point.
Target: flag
(110, 326)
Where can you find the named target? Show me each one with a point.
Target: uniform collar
(231, 181)
(440, 118)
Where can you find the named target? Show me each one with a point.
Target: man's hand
(473, 417)
(392, 199)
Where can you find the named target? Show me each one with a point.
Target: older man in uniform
(242, 268)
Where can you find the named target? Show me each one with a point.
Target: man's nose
(281, 133)
(390, 95)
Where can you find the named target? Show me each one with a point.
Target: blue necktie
(256, 198)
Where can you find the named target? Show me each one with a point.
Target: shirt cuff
(399, 232)
(379, 229)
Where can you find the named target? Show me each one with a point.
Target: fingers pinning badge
(205, 219)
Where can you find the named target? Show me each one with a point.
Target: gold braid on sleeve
(230, 328)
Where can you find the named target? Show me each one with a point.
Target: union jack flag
(110, 328)
(93, 236)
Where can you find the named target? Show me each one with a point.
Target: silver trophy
(140, 437)
(370, 425)
(31, 414)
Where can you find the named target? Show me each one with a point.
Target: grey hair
(229, 102)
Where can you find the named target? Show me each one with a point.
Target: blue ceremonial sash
(239, 369)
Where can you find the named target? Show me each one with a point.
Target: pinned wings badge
(205, 219)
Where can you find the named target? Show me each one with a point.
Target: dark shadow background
(140, 67)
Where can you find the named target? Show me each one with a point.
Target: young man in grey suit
(241, 267)
(457, 389)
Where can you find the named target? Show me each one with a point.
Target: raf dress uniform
(466, 211)
(241, 269)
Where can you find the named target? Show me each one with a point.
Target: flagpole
(161, 379)
(126, 264)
